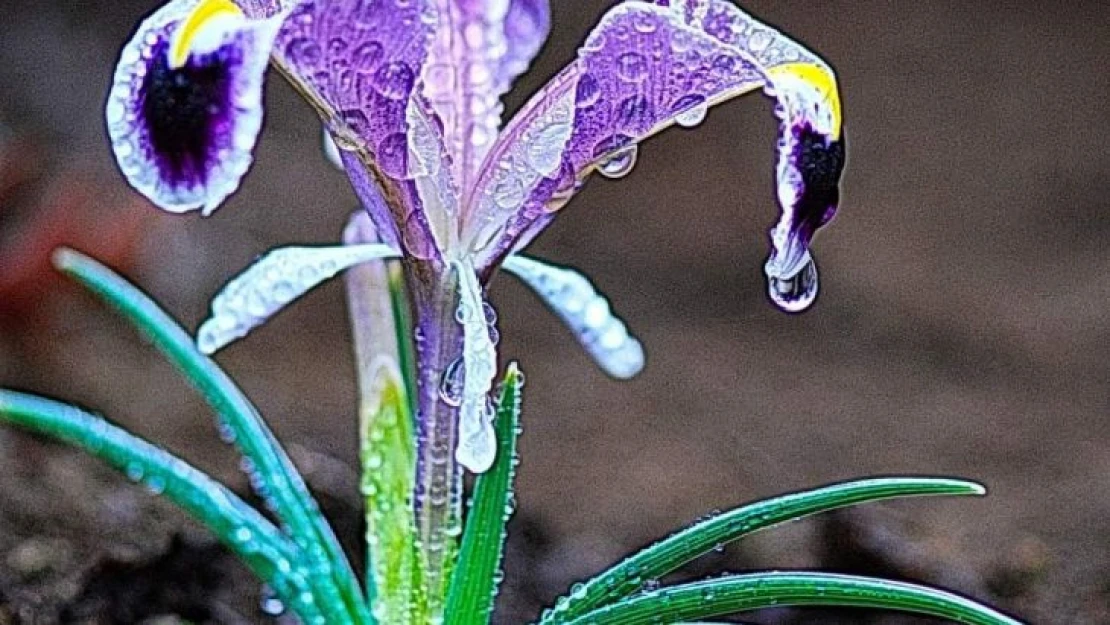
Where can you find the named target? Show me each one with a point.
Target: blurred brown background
(962, 327)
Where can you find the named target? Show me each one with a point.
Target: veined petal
(358, 62)
(479, 48)
(645, 67)
(185, 106)
(273, 282)
(572, 297)
(477, 447)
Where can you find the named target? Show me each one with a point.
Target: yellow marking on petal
(202, 15)
(821, 79)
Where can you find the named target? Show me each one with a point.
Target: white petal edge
(274, 281)
(127, 140)
(477, 447)
(572, 297)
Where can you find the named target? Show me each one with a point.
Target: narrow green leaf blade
(739, 593)
(334, 579)
(388, 456)
(475, 579)
(254, 539)
(670, 553)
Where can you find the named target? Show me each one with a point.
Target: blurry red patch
(40, 212)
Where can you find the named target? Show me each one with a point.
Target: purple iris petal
(526, 27)
(479, 48)
(183, 134)
(358, 62)
(646, 66)
(633, 77)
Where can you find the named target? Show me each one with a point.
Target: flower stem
(438, 498)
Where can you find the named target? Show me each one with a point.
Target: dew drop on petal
(620, 164)
(692, 117)
(796, 293)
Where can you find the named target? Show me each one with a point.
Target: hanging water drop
(451, 383)
(270, 604)
(796, 293)
(620, 164)
(692, 117)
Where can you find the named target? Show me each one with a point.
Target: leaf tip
(65, 258)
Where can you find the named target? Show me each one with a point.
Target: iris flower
(409, 90)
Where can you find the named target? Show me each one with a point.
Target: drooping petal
(477, 447)
(572, 297)
(358, 62)
(811, 144)
(645, 67)
(480, 46)
(272, 283)
(185, 106)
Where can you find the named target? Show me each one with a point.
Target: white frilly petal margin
(248, 42)
(572, 297)
(273, 282)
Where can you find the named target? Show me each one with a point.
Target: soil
(961, 330)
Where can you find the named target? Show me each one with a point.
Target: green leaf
(476, 576)
(669, 554)
(388, 457)
(255, 540)
(728, 595)
(334, 581)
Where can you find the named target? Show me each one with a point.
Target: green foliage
(304, 565)
(264, 549)
(388, 456)
(335, 588)
(669, 554)
(475, 580)
(738, 593)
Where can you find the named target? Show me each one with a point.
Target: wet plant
(408, 92)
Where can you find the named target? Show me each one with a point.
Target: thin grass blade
(670, 553)
(739, 593)
(474, 583)
(281, 484)
(254, 539)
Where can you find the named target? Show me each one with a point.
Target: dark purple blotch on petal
(819, 160)
(186, 111)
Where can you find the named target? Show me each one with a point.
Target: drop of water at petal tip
(796, 293)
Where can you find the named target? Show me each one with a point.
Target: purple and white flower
(409, 91)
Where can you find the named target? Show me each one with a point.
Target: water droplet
(587, 92)
(270, 604)
(509, 193)
(692, 117)
(451, 383)
(416, 238)
(620, 164)
(796, 293)
(134, 471)
(304, 52)
(366, 56)
(394, 80)
(632, 66)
